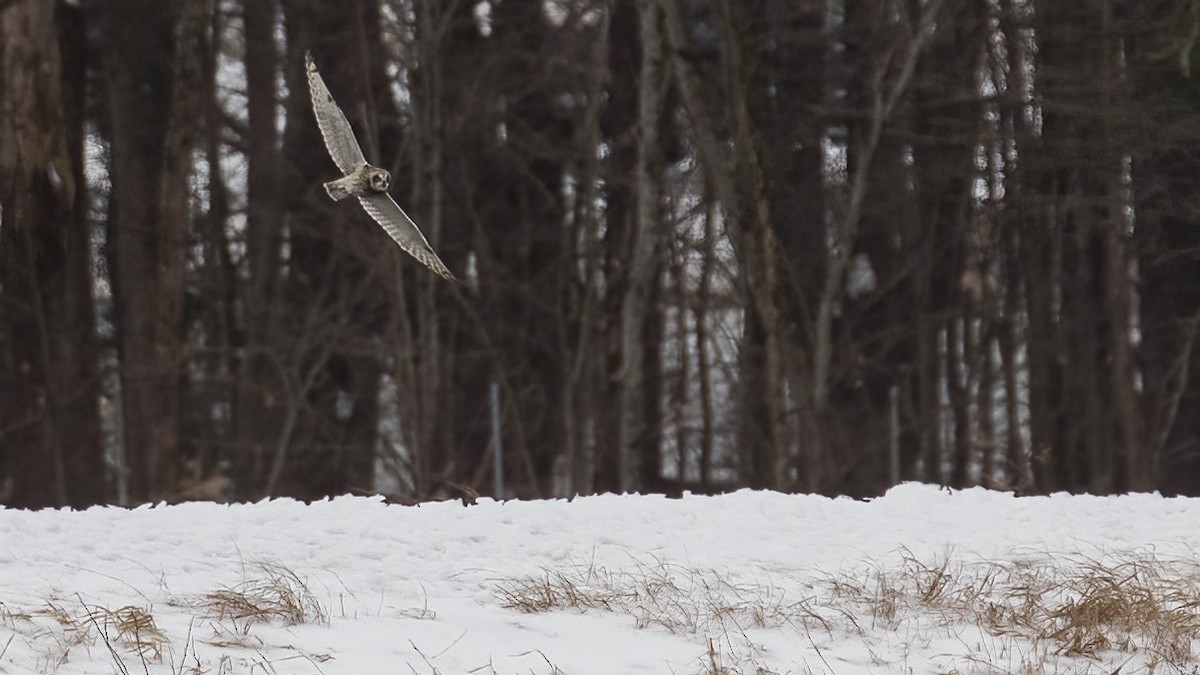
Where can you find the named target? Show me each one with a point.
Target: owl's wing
(335, 128)
(396, 223)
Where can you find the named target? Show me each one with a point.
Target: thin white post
(894, 434)
(497, 446)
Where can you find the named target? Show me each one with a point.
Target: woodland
(817, 246)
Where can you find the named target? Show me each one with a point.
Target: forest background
(805, 245)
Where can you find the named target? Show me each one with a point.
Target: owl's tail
(336, 189)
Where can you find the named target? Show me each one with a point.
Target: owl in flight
(368, 183)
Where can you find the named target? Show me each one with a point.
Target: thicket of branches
(790, 244)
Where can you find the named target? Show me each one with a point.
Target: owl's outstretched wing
(335, 128)
(396, 223)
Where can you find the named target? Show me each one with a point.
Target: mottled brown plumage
(366, 179)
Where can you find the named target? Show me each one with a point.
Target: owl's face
(380, 180)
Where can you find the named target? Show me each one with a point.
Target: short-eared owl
(368, 183)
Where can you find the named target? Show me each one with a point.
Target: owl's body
(369, 183)
(365, 180)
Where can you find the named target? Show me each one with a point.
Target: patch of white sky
(989, 155)
(559, 12)
(483, 17)
(398, 21)
(96, 170)
(993, 82)
(692, 216)
(232, 100)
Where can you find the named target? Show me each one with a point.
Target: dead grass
(723, 657)
(1137, 613)
(275, 594)
(1077, 607)
(1077, 613)
(714, 660)
(50, 629)
(12, 616)
(133, 628)
(678, 599)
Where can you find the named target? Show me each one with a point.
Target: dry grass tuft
(722, 657)
(71, 631)
(1139, 609)
(577, 588)
(12, 616)
(133, 628)
(278, 594)
(54, 630)
(714, 661)
(680, 600)
(1078, 607)
(1133, 604)
(672, 597)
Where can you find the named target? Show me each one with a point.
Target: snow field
(918, 581)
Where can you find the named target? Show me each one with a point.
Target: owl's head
(380, 180)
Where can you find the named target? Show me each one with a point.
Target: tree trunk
(1166, 235)
(1076, 176)
(137, 84)
(155, 460)
(790, 46)
(49, 420)
(731, 154)
(704, 369)
(948, 111)
(260, 397)
(619, 124)
(641, 419)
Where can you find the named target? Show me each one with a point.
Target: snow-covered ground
(919, 581)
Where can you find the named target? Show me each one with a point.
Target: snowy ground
(920, 581)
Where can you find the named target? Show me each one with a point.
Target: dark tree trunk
(142, 249)
(260, 395)
(154, 59)
(642, 311)
(211, 307)
(704, 368)
(1079, 431)
(788, 92)
(50, 451)
(618, 124)
(649, 444)
(949, 120)
(441, 352)
(1166, 237)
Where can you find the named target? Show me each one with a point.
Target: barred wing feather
(335, 128)
(400, 227)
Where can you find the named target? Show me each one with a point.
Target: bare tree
(793, 244)
(259, 396)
